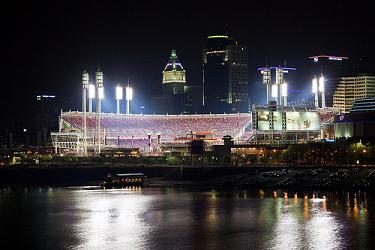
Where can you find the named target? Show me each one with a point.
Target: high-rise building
(225, 75)
(350, 89)
(174, 79)
(174, 99)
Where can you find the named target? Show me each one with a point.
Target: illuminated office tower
(350, 89)
(225, 75)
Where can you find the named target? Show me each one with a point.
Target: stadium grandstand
(145, 131)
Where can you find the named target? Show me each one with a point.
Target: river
(184, 218)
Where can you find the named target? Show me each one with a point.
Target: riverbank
(251, 176)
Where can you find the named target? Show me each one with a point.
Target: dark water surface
(175, 218)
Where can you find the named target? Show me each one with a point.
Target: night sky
(49, 44)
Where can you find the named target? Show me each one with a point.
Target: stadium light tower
(266, 72)
(129, 97)
(274, 92)
(91, 95)
(284, 93)
(100, 96)
(85, 83)
(279, 82)
(119, 96)
(322, 90)
(315, 91)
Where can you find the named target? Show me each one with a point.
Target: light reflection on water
(315, 228)
(106, 219)
(172, 218)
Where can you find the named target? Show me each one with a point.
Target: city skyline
(133, 41)
(187, 125)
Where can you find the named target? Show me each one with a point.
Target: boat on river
(123, 180)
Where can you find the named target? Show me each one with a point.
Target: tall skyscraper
(225, 75)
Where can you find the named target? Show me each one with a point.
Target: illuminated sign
(302, 121)
(295, 121)
(39, 97)
(335, 58)
(264, 120)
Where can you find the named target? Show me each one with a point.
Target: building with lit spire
(174, 79)
(174, 98)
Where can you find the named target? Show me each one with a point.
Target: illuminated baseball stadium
(276, 123)
(146, 132)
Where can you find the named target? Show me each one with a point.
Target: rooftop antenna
(226, 29)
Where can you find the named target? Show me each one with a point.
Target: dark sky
(49, 44)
